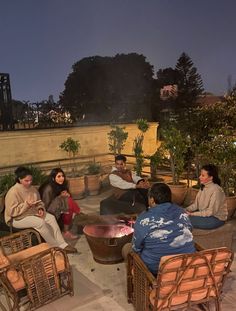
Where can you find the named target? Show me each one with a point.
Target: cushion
(195, 280)
(16, 278)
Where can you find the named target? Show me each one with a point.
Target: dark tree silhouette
(109, 88)
(190, 84)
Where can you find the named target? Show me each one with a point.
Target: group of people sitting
(165, 228)
(26, 207)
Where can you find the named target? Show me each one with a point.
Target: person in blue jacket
(165, 229)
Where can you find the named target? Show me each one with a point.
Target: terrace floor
(103, 287)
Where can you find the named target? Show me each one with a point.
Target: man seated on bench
(127, 186)
(165, 229)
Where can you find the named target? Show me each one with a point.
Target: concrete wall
(34, 146)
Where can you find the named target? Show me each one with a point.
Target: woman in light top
(209, 209)
(24, 209)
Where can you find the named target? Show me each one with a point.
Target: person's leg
(47, 227)
(135, 195)
(126, 249)
(211, 222)
(73, 208)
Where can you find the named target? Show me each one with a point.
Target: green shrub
(6, 182)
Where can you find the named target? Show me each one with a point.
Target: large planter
(178, 193)
(190, 196)
(231, 206)
(93, 184)
(77, 187)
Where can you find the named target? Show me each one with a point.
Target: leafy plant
(221, 150)
(94, 168)
(117, 138)
(6, 182)
(143, 126)
(37, 175)
(155, 160)
(72, 147)
(175, 145)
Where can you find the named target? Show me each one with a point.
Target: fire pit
(106, 241)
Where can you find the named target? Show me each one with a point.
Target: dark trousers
(136, 195)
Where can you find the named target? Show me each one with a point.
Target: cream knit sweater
(16, 205)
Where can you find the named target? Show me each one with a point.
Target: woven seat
(219, 237)
(31, 276)
(183, 281)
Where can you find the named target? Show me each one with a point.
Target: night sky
(40, 40)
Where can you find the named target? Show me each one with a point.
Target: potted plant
(174, 146)
(117, 138)
(76, 182)
(221, 150)
(143, 126)
(37, 175)
(93, 178)
(156, 159)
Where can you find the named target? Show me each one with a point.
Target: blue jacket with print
(163, 230)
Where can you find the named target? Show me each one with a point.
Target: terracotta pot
(231, 206)
(77, 187)
(178, 193)
(93, 184)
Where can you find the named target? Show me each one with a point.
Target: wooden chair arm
(199, 247)
(141, 265)
(18, 241)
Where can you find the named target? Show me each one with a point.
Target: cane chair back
(34, 276)
(183, 281)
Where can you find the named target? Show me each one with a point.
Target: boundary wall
(41, 147)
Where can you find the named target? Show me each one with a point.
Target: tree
(190, 84)
(109, 88)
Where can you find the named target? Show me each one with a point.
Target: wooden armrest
(18, 241)
(198, 247)
(150, 277)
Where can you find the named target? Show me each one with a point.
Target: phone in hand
(36, 202)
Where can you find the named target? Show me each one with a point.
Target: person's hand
(65, 193)
(188, 213)
(143, 184)
(146, 184)
(33, 203)
(40, 213)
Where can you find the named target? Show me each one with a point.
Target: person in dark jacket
(165, 229)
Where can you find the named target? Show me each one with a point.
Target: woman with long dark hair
(58, 201)
(24, 209)
(209, 209)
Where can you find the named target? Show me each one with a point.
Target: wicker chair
(32, 275)
(183, 282)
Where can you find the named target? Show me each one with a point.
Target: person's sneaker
(70, 249)
(69, 235)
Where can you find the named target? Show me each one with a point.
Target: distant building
(209, 99)
(169, 91)
(6, 119)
